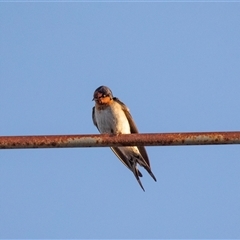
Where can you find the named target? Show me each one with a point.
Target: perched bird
(112, 116)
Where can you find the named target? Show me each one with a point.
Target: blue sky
(175, 65)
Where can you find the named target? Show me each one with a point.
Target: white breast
(112, 120)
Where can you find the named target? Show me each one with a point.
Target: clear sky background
(175, 65)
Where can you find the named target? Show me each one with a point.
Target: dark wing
(121, 156)
(133, 129)
(93, 118)
(123, 159)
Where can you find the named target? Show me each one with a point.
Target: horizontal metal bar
(105, 140)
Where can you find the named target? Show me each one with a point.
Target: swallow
(112, 116)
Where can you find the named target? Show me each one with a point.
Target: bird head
(102, 95)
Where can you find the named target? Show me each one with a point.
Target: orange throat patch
(103, 103)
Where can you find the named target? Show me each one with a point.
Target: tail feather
(136, 174)
(131, 158)
(141, 184)
(142, 162)
(150, 172)
(139, 173)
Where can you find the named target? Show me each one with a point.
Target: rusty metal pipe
(105, 140)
